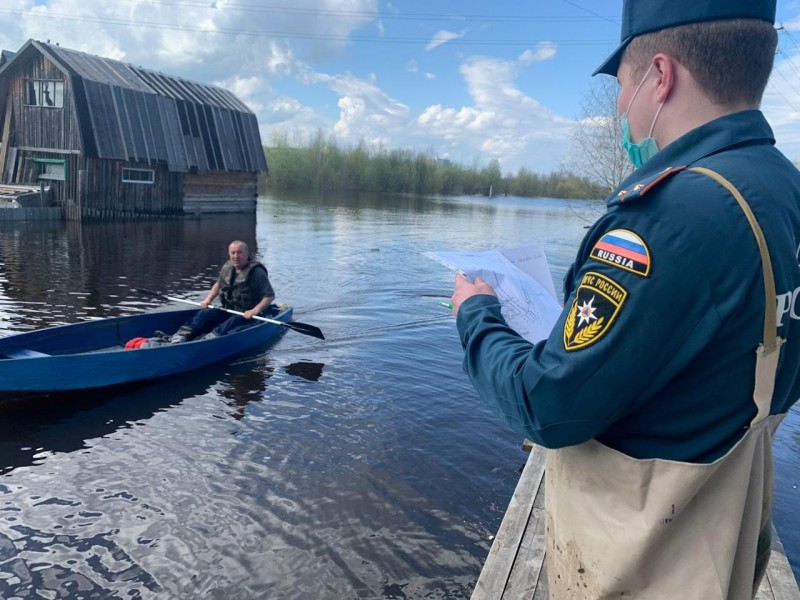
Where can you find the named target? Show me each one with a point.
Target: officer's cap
(645, 16)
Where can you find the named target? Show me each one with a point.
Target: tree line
(321, 165)
(598, 163)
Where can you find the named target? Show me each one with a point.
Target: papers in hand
(520, 277)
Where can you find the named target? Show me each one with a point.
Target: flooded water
(362, 466)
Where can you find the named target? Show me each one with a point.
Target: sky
(468, 80)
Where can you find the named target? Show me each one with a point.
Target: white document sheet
(520, 277)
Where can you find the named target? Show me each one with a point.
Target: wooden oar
(303, 328)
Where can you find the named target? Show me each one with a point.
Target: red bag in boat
(135, 343)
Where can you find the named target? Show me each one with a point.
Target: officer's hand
(465, 289)
(205, 303)
(248, 314)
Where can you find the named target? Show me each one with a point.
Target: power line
(586, 10)
(789, 83)
(300, 35)
(786, 34)
(790, 62)
(373, 14)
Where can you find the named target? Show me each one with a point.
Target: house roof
(5, 56)
(130, 113)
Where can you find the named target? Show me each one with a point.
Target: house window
(52, 169)
(138, 176)
(46, 92)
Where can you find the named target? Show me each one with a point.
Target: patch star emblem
(596, 306)
(586, 311)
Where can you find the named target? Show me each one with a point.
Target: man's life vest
(236, 292)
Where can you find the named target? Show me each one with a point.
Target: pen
(446, 304)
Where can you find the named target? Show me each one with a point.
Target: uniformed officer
(661, 386)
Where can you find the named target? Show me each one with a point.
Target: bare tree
(597, 151)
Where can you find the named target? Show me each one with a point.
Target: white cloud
(504, 122)
(544, 51)
(204, 43)
(352, 111)
(288, 116)
(260, 53)
(442, 37)
(250, 90)
(600, 122)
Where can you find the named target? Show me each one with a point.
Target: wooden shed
(110, 139)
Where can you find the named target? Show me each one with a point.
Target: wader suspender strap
(771, 342)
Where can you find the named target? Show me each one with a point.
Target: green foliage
(322, 166)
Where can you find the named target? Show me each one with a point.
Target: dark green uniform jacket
(654, 353)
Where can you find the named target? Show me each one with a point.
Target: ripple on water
(362, 466)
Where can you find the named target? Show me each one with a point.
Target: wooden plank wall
(23, 171)
(104, 195)
(220, 192)
(38, 126)
(29, 127)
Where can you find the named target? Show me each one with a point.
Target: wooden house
(109, 139)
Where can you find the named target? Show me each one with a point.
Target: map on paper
(520, 277)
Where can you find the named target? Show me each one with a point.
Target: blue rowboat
(92, 354)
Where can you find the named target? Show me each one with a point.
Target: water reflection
(69, 272)
(361, 466)
(246, 384)
(308, 370)
(114, 567)
(34, 427)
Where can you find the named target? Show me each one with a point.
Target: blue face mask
(643, 151)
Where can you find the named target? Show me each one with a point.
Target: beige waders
(619, 527)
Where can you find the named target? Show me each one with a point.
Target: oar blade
(306, 329)
(149, 293)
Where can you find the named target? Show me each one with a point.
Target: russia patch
(597, 304)
(624, 249)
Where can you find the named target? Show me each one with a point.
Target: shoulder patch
(640, 188)
(595, 308)
(624, 249)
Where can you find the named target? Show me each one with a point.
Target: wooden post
(5, 140)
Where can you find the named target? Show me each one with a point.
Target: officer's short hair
(730, 60)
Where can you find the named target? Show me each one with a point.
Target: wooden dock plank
(515, 568)
(779, 581)
(504, 551)
(527, 573)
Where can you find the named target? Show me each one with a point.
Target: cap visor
(611, 64)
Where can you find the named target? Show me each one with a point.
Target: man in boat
(660, 388)
(243, 285)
